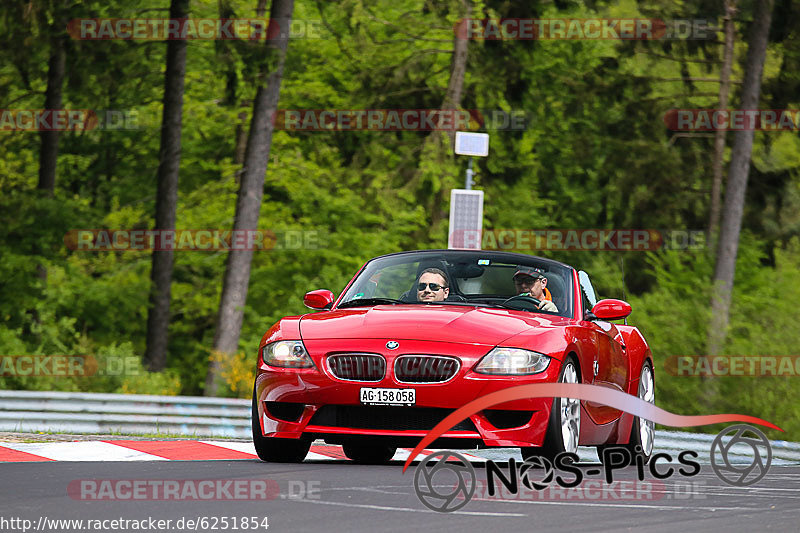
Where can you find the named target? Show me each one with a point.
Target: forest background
(595, 152)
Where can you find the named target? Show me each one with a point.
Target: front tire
(564, 425)
(275, 450)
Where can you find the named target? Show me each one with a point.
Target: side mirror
(319, 299)
(611, 309)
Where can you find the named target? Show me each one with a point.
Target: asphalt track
(338, 495)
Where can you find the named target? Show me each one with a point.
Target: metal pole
(468, 184)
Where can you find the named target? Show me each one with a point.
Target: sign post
(466, 205)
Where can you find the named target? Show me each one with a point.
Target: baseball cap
(529, 271)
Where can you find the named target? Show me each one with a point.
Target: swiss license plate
(371, 396)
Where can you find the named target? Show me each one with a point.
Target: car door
(609, 360)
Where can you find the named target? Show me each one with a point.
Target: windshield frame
(453, 257)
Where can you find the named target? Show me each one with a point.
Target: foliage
(595, 153)
(762, 323)
(237, 372)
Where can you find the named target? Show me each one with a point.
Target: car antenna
(622, 266)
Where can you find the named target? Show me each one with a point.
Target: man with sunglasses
(531, 282)
(432, 286)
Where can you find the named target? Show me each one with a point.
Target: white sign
(476, 144)
(466, 219)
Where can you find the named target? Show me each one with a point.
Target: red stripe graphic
(592, 393)
(329, 451)
(182, 450)
(7, 455)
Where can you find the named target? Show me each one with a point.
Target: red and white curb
(182, 450)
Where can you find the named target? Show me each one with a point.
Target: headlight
(512, 361)
(291, 354)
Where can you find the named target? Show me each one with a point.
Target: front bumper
(313, 403)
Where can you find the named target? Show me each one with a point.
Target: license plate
(371, 396)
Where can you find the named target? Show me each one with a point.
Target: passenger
(530, 281)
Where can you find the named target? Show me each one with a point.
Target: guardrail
(197, 416)
(674, 441)
(83, 412)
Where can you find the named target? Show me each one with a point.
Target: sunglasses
(434, 286)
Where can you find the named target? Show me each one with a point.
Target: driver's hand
(547, 305)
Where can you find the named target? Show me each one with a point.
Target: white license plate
(371, 396)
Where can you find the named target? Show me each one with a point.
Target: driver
(432, 286)
(531, 282)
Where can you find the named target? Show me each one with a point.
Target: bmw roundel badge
(392, 345)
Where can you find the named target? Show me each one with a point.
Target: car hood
(445, 323)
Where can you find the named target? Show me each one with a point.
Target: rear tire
(275, 450)
(564, 425)
(369, 454)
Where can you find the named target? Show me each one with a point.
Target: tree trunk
(737, 182)
(48, 155)
(458, 69)
(240, 150)
(451, 103)
(719, 136)
(167, 197)
(248, 204)
(48, 150)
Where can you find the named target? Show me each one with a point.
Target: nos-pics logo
(737, 440)
(447, 484)
(445, 481)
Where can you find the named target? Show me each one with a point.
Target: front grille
(425, 368)
(380, 417)
(357, 366)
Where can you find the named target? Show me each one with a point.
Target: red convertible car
(416, 335)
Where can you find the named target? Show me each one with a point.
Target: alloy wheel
(570, 412)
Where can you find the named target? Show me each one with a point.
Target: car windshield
(471, 277)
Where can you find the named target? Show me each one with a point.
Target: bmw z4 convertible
(416, 335)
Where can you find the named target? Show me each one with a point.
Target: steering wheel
(524, 302)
